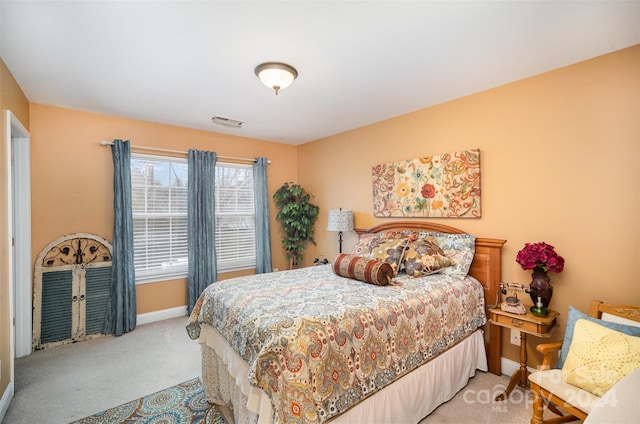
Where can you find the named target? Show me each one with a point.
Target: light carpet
(66, 383)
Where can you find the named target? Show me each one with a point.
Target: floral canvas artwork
(442, 186)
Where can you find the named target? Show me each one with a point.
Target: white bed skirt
(408, 400)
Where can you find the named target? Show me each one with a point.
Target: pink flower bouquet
(540, 255)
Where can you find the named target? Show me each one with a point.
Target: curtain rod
(178, 152)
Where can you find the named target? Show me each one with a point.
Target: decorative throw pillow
(390, 250)
(424, 257)
(599, 357)
(365, 241)
(460, 248)
(388, 247)
(574, 315)
(363, 245)
(370, 271)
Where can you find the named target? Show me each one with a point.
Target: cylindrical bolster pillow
(370, 271)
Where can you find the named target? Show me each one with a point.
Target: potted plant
(297, 217)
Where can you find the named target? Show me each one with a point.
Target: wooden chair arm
(549, 350)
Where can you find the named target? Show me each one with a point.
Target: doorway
(20, 286)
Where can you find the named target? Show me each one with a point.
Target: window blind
(159, 199)
(159, 202)
(235, 218)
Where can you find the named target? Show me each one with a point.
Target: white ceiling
(182, 62)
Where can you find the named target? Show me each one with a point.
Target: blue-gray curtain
(201, 224)
(263, 227)
(121, 309)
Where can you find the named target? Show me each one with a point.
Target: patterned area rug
(182, 404)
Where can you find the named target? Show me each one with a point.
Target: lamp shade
(340, 220)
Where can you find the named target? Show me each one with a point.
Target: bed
(312, 346)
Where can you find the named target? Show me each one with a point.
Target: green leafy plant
(297, 217)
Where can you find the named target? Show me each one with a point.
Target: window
(159, 201)
(235, 218)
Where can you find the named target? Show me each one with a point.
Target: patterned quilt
(318, 343)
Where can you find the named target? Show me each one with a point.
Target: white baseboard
(180, 311)
(6, 400)
(508, 367)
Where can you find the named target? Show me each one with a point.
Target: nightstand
(526, 324)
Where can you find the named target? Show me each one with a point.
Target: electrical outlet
(515, 337)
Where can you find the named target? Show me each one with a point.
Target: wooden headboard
(486, 268)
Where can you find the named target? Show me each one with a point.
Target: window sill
(183, 275)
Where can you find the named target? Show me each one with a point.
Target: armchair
(547, 383)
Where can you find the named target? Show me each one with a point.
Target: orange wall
(72, 179)
(560, 158)
(11, 98)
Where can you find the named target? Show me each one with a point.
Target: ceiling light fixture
(276, 75)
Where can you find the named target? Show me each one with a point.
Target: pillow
(424, 257)
(388, 247)
(574, 315)
(460, 248)
(599, 357)
(390, 250)
(370, 271)
(363, 245)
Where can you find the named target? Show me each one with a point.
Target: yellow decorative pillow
(599, 357)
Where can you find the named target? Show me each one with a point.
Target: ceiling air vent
(227, 122)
